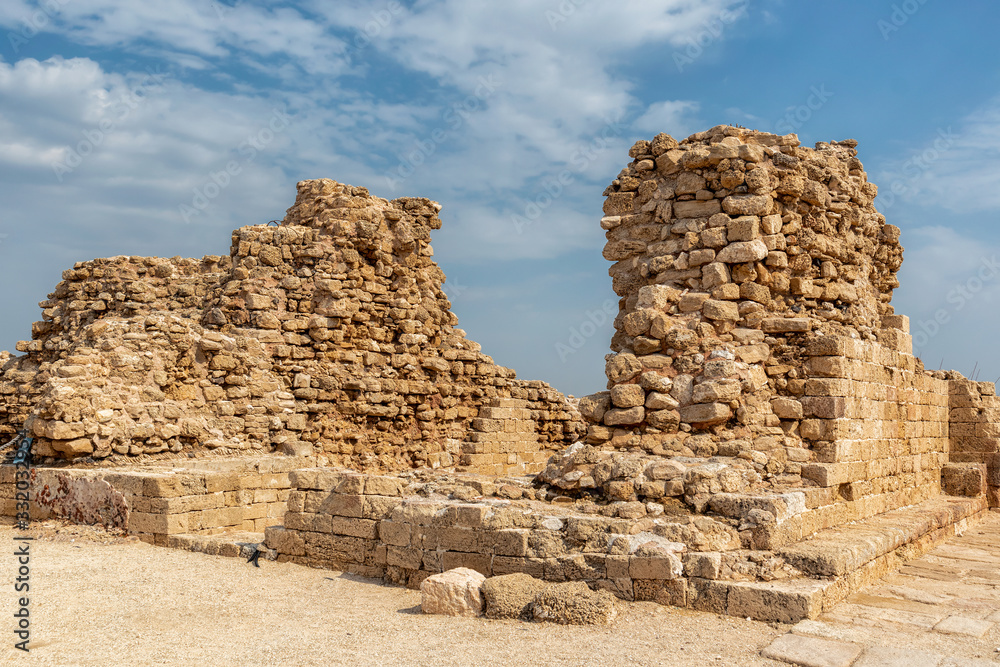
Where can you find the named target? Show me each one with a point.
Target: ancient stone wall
(975, 429)
(328, 335)
(158, 503)
(377, 526)
(755, 335)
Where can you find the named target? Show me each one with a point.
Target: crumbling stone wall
(755, 347)
(329, 334)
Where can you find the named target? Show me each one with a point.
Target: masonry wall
(975, 429)
(756, 333)
(329, 335)
(157, 503)
(373, 526)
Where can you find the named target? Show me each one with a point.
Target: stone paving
(940, 610)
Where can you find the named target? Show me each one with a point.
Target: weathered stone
(620, 417)
(812, 651)
(627, 395)
(456, 592)
(573, 603)
(743, 251)
(511, 596)
(705, 414)
(594, 406)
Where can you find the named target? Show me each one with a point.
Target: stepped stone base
(368, 525)
(382, 527)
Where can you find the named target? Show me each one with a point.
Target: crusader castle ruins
(767, 443)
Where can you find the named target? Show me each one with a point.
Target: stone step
(783, 601)
(839, 561)
(837, 552)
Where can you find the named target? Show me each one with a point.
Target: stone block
(812, 651)
(720, 310)
(963, 479)
(573, 603)
(622, 417)
(741, 252)
(786, 324)
(453, 593)
(787, 408)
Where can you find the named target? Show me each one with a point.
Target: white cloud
(950, 288)
(956, 168)
(673, 117)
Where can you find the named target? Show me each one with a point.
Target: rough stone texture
(963, 479)
(331, 329)
(962, 625)
(573, 603)
(893, 656)
(511, 595)
(756, 278)
(453, 593)
(200, 497)
(812, 652)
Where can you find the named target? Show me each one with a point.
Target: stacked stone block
(503, 440)
(155, 504)
(755, 334)
(372, 526)
(329, 334)
(975, 429)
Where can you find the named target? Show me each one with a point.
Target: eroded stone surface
(453, 593)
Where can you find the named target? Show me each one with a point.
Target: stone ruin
(327, 336)
(767, 443)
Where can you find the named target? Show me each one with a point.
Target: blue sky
(119, 121)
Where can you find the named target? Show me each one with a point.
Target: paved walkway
(940, 610)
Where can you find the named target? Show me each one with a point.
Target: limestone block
(743, 228)
(963, 479)
(716, 390)
(511, 595)
(705, 414)
(574, 603)
(453, 593)
(720, 310)
(747, 204)
(696, 209)
(743, 251)
(627, 395)
(620, 417)
(786, 408)
(786, 324)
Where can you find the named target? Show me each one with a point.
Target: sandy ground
(101, 600)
